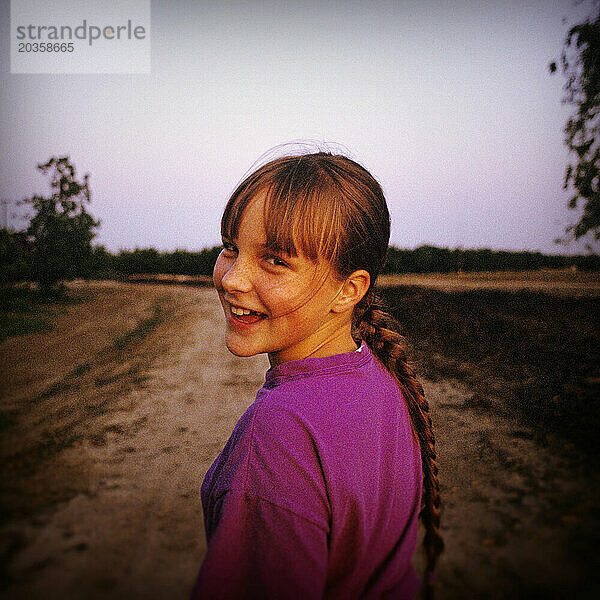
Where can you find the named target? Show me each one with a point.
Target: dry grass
(556, 282)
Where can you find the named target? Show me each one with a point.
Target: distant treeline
(150, 260)
(424, 259)
(430, 259)
(16, 265)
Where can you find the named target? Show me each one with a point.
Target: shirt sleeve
(268, 514)
(261, 550)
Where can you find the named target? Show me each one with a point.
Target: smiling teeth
(240, 311)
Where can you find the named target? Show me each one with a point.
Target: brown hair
(329, 206)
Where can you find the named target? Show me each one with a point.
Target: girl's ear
(352, 292)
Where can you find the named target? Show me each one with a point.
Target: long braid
(379, 330)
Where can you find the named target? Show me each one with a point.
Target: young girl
(319, 488)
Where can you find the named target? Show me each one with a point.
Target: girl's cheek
(278, 288)
(283, 298)
(219, 270)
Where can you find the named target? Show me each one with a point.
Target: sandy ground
(101, 473)
(558, 282)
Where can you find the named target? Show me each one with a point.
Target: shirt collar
(306, 367)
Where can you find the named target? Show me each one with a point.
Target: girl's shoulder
(315, 390)
(271, 456)
(296, 434)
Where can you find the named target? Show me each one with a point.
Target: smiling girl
(318, 491)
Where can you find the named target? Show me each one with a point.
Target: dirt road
(110, 436)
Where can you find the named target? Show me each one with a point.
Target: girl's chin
(240, 349)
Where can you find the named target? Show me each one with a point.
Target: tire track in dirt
(134, 527)
(32, 363)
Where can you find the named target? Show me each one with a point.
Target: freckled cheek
(219, 271)
(282, 301)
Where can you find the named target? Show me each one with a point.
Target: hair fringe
(379, 330)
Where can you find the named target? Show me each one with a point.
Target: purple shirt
(317, 492)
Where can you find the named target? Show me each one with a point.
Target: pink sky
(450, 105)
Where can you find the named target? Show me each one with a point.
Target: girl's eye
(229, 247)
(276, 261)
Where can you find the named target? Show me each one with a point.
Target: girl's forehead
(252, 232)
(280, 228)
(252, 220)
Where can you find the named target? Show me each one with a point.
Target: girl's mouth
(245, 316)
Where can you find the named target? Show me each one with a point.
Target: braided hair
(329, 206)
(379, 330)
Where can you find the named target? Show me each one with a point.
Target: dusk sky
(449, 104)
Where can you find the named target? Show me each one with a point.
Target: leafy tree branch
(580, 62)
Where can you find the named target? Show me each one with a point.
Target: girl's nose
(237, 278)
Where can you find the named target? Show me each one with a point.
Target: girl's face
(274, 303)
